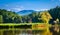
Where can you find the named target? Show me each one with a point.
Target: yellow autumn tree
(45, 16)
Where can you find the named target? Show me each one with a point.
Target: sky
(38, 5)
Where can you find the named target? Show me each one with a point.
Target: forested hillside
(34, 17)
(9, 16)
(55, 13)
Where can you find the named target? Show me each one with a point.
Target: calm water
(19, 32)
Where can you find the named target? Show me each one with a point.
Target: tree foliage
(8, 16)
(55, 13)
(34, 17)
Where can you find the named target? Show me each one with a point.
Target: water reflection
(27, 32)
(19, 32)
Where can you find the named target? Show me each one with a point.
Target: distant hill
(25, 12)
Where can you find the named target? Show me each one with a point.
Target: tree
(45, 16)
(1, 19)
(55, 13)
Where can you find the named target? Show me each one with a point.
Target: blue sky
(18, 5)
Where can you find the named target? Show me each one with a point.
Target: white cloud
(18, 9)
(43, 9)
(37, 10)
(9, 9)
(15, 8)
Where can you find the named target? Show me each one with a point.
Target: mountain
(25, 12)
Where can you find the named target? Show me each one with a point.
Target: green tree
(1, 19)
